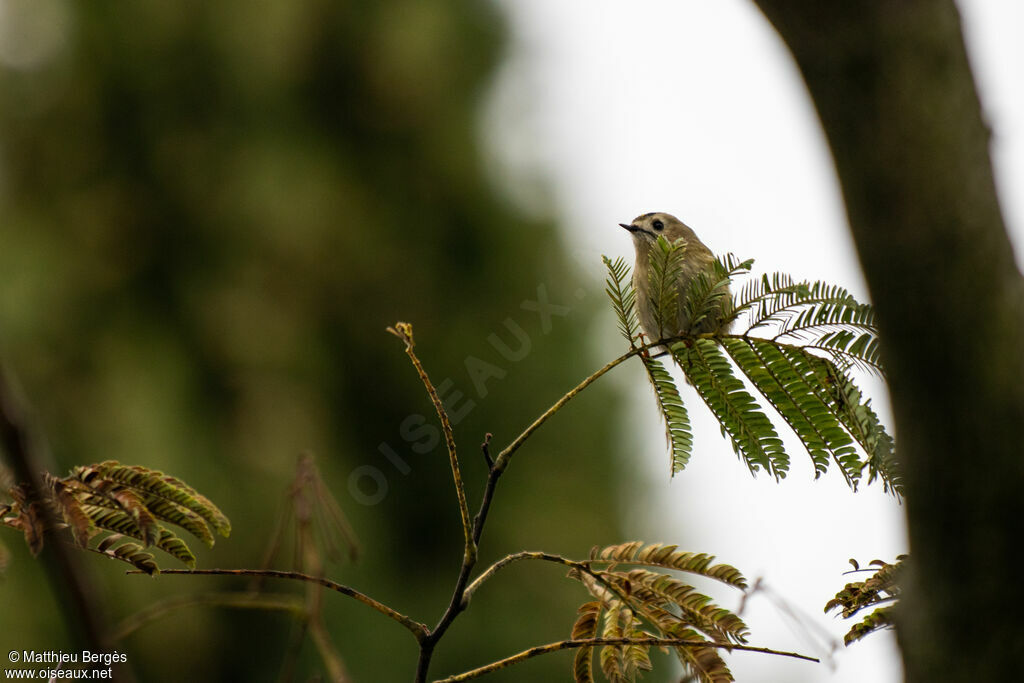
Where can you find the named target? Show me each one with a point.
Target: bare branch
(591, 642)
(404, 332)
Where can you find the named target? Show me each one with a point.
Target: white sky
(695, 108)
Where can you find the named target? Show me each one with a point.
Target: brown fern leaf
(611, 655)
(668, 557)
(66, 500)
(704, 663)
(132, 503)
(585, 627)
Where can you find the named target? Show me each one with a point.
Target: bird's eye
(658, 225)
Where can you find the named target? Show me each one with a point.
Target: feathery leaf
(678, 432)
(753, 436)
(620, 290)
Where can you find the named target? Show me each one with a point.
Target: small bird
(697, 258)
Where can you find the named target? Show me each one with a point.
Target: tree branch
(501, 462)
(404, 332)
(591, 642)
(516, 557)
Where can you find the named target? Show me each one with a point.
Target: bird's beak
(631, 228)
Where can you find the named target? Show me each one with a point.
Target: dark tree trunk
(892, 85)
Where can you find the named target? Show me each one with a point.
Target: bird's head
(647, 227)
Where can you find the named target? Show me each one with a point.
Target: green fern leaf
(817, 315)
(791, 390)
(677, 421)
(664, 270)
(753, 436)
(620, 290)
(856, 416)
(848, 347)
(709, 297)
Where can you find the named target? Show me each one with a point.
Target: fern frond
(611, 655)
(619, 288)
(145, 522)
(752, 434)
(856, 415)
(677, 421)
(636, 656)
(849, 347)
(70, 507)
(125, 501)
(188, 520)
(155, 483)
(716, 622)
(881, 587)
(824, 305)
(171, 544)
(129, 552)
(776, 300)
(815, 315)
(708, 295)
(640, 602)
(664, 270)
(165, 511)
(880, 619)
(704, 663)
(669, 557)
(816, 334)
(764, 294)
(123, 524)
(586, 623)
(585, 627)
(791, 389)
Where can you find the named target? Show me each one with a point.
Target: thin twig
(503, 458)
(598, 576)
(404, 332)
(459, 599)
(501, 462)
(592, 642)
(457, 603)
(416, 628)
(486, 448)
(516, 557)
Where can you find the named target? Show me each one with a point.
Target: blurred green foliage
(210, 212)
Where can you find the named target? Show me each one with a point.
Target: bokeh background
(209, 212)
